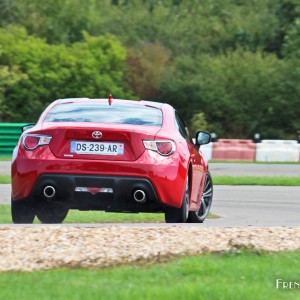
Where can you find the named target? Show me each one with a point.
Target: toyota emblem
(97, 134)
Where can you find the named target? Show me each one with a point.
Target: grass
(247, 275)
(256, 180)
(5, 179)
(255, 162)
(5, 158)
(75, 216)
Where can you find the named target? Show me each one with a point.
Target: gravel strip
(47, 247)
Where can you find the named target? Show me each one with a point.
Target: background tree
(146, 66)
(91, 68)
(241, 93)
(8, 77)
(237, 61)
(198, 122)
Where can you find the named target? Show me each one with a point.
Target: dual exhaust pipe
(139, 195)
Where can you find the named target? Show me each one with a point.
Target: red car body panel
(167, 174)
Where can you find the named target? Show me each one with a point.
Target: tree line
(231, 66)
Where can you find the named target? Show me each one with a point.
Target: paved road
(255, 169)
(242, 206)
(255, 206)
(5, 191)
(5, 167)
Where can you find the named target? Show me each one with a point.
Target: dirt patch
(45, 247)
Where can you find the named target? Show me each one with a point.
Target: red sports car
(111, 155)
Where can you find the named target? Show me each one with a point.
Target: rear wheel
(179, 215)
(22, 212)
(206, 200)
(51, 213)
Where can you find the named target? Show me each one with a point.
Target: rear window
(103, 113)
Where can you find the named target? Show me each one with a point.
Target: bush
(93, 68)
(240, 92)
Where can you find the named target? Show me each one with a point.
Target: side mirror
(202, 138)
(27, 127)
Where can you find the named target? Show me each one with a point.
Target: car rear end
(92, 154)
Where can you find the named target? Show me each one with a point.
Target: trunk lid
(98, 141)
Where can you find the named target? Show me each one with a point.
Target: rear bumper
(163, 178)
(84, 192)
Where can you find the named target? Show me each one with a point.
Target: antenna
(110, 99)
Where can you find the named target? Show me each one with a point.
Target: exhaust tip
(139, 196)
(49, 191)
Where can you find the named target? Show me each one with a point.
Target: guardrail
(9, 136)
(247, 150)
(277, 150)
(234, 150)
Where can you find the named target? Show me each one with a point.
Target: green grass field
(256, 180)
(5, 158)
(245, 276)
(5, 179)
(256, 162)
(75, 216)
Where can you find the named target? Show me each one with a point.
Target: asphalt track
(254, 169)
(238, 206)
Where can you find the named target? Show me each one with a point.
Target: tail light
(32, 141)
(163, 147)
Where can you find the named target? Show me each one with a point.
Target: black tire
(51, 213)
(206, 201)
(179, 215)
(22, 212)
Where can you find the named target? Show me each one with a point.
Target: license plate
(97, 148)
